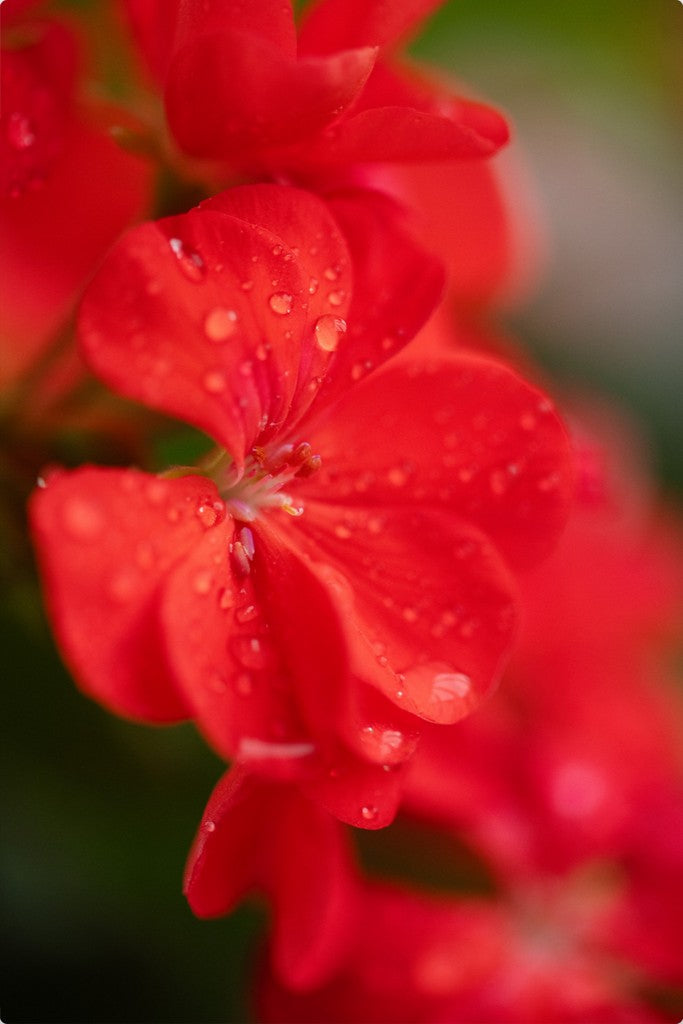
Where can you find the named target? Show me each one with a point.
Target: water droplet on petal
(331, 274)
(328, 332)
(220, 324)
(342, 531)
(410, 615)
(189, 261)
(336, 298)
(209, 826)
(214, 382)
(449, 686)
(527, 421)
(243, 684)
(313, 286)
(82, 519)
(250, 651)
(122, 587)
(498, 482)
(20, 132)
(210, 514)
(397, 477)
(281, 303)
(369, 812)
(247, 613)
(202, 582)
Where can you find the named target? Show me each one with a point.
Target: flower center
(262, 483)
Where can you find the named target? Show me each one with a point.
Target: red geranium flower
(244, 86)
(381, 596)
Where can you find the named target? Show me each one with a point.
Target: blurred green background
(98, 814)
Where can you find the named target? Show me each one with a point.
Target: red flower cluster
(568, 789)
(349, 571)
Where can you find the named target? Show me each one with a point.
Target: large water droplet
(328, 331)
(189, 261)
(448, 686)
(281, 303)
(220, 324)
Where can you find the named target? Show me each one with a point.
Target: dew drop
(250, 651)
(331, 274)
(156, 491)
(498, 482)
(328, 332)
(20, 133)
(281, 303)
(449, 686)
(225, 598)
(214, 382)
(397, 477)
(410, 615)
(369, 812)
(342, 531)
(189, 261)
(220, 324)
(82, 519)
(336, 298)
(209, 826)
(243, 684)
(202, 582)
(527, 421)
(122, 587)
(211, 514)
(247, 613)
(313, 286)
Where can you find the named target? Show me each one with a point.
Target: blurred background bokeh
(98, 814)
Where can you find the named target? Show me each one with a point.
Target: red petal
(211, 319)
(45, 259)
(405, 116)
(488, 247)
(462, 433)
(338, 24)
(257, 835)
(152, 23)
(428, 606)
(269, 20)
(250, 652)
(106, 538)
(359, 793)
(396, 286)
(231, 92)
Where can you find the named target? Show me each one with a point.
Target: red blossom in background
(317, 639)
(242, 85)
(58, 161)
(568, 786)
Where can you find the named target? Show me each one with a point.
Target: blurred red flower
(56, 158)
